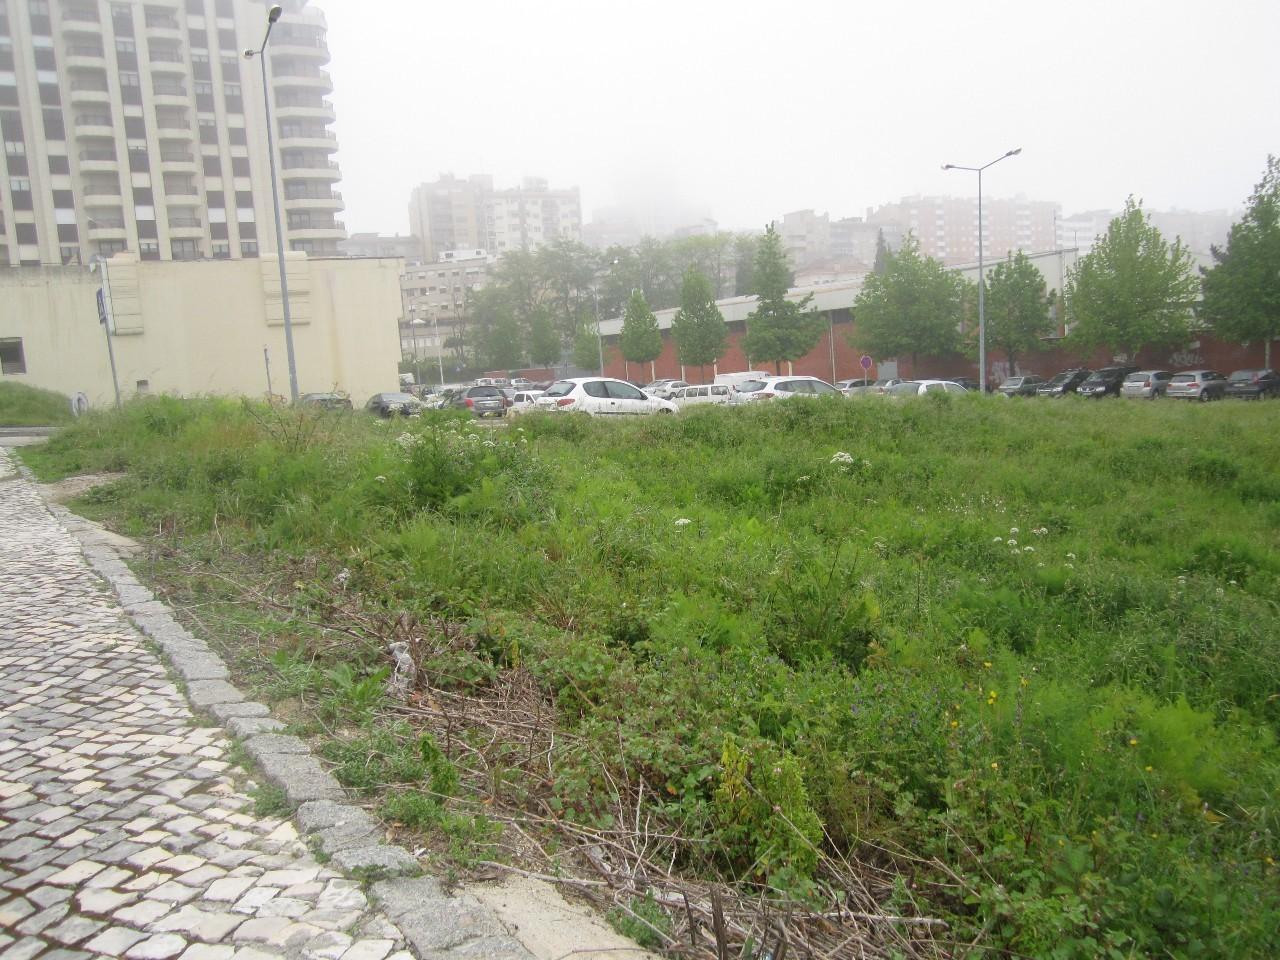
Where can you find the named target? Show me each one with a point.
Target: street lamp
(272, 16)
(982, 316)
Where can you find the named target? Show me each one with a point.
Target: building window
(222, 251)
(248, 248)
(185, 249)
(240, 166)
(12, 359)
(109, 248)
(70, 255)
(149, 250)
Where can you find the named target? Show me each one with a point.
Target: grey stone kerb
(438, 926)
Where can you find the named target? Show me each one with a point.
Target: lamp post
(261, 53)
(982, 316)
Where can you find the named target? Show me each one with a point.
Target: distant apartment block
(139, 126)
(456, 214)
(813, 239)
(947, 227)
(437, 297)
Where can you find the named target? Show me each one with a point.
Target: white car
(523, 401)
(601, 396)
(742, 376)
(522, 383)
(692, 396)
(782, 388)
(918, 388)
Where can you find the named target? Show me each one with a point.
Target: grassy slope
(1084, 731)
(24, 406)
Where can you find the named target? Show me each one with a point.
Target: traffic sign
(866, 362)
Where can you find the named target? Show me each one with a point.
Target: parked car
(846, 386)
(486, 401)
(1068, 381)
(918, 388)
(1253, 384)
(971, 385)
(524, 401)
(326, 401)
(1202, 385)
(601, 396)
(388, 405)
(707, 393)
(521, 383)
(733, 380)
(770, 388)
(1104, 382)
(664, 389)
(1020, 386)
(876, 388)
(1145, 384)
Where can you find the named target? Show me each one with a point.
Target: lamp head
(948, 166)
(1014, 153)
(250, 54)
(274, 13)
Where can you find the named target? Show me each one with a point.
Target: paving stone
(74, 929)
(114, 941)
(378, 861)
(207, 925)
(162, 946)
(260, 929)
(330, 945)
(208, 951)
(369, 950)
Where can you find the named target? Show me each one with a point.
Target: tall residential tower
(138, 125)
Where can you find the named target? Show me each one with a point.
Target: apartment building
(436, 297)
(407, 248)
(139, 125)
(947, 227)
(455, 214)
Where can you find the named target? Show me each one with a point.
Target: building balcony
(335, 231)
(94, 125)
(178, 161)
(286, 110)
(99, 161)
(184, 228)
(325, 140)
(167, 63)
(316, 51)
(311, 170)
(331, 201)
(175, 129)
(85, 55)
(81, 93)
(101, 190)
(170, 96)
(163, 29)
(309, 80)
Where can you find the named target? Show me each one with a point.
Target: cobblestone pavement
(123, 830)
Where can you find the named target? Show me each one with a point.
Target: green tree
(641, 340)
(698, 327)
(586, 350)
(882, 255)
(1242, 288)
(1017, 309)
(543, 342)
(744, 257)
(778, 329)
(1133, 289)
(915, 307)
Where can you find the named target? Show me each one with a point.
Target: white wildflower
(842, 457)
(1028, 549)
(802, 479)
(340, 581)
(1013, 531)
(1011, 542)
(1071, 556)
(380, 478)
(683, 522)
(1069, 566)
(997, 539)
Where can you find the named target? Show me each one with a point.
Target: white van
(734, 380)
(691, 396)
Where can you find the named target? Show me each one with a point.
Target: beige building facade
(140, 126)
(437, 298)
(947, 227)
(202, 328)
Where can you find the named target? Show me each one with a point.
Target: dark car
(1020, 386)
(1253, 384)
(388, 405)
(970, 384)
(1068, 381)
(481, 401)
(325, 401)
(1105, 382)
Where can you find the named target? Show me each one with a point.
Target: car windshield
(1013, 382)
(484, 392)
(1137, 378)
(1062, 377)
(560, 389)
(751, 386)
(1242, 375)
(399, 398)
(907, 387)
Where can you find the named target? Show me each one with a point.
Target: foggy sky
(747, 109)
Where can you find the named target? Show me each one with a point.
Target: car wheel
(1204, 396)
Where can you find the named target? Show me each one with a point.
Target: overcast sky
(748, 109)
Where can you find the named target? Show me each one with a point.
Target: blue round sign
(866, 362)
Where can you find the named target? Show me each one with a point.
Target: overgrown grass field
(24, 406)
(1024, 654)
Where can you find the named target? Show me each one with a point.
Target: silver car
(1202, 385)
(1146, 384)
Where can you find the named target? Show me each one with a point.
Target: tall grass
(24, 406)
(1037, 642)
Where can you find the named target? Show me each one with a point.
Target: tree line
(1134, 289)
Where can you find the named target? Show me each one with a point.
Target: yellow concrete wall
(200, 327)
